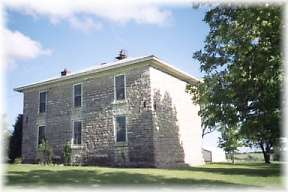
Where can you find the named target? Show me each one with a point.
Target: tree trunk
(267, 157)
(266, 152)
(233, 157)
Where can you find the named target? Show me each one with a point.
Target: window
(77, 95)
(120, 128)
(120, 87)
(41, 134)
(43, 100)
(155, 106)
(77, 132)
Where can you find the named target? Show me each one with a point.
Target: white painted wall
(187, 113)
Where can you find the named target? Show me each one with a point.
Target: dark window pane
(42, 107)
(77, 133)
(77, 90)
(41, 134)
(120, 87)
(43, 97)
(42, 103)
(77, 101)
(120, 95)
(121, 128)
(77, 95)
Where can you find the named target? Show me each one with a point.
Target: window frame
(115, 89)
(73, 133)
(81, 95)
(115, 128)
(38, 131)
(39, 101)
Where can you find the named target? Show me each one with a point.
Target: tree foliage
(15, 141)
(243, 75)
(230, 140)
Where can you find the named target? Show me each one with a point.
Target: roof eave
(155, 60)
(176, 72)
(22, 88)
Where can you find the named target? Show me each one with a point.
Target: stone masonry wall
(177, 126)
(163, 127)
(30, 133)
(97, 115)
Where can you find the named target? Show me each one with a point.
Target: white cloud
(148, 12)
(78, 14)
(18, 46)
(86, 24)
(153, 15)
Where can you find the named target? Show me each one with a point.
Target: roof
(156, 62)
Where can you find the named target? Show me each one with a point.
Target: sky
(41, 40)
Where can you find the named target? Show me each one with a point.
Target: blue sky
(86, 39)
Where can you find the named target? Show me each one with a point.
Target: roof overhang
(156, 63)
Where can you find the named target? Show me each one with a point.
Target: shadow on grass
(247, 169)
(95, 178)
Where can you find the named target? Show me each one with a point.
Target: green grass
(225, 174)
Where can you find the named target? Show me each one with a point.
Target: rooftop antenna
(122, 54)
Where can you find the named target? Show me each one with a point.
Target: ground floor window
(77, 132)
(41, 134)
(121, 130)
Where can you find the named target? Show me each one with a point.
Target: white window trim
(115, 128)
(37, 140)
(46, 101)
(125, 94)
(73, 93)
(72, 138)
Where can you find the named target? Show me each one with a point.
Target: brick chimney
(64, 72)
(122, 54)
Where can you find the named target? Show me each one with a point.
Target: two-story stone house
(131, 112)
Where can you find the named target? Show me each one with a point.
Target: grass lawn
(225, 174)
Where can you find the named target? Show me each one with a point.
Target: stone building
(133, 112)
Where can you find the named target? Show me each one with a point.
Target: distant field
(218, 175)
(249, 157)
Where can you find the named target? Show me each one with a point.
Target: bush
(45, 152)
(67, 153)
(18, 161)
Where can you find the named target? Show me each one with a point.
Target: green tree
(241, 60)
(230, 141)
(15, 141)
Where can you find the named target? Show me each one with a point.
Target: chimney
(64, 72)
(122, 54)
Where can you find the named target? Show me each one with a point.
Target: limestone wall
(97, 115)
(177, 126)
(163, 128)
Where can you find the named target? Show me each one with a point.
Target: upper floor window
(77, 95)
(77, 129)
(119, 84)
(43, 101)
(41, 134)
(121, 130)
